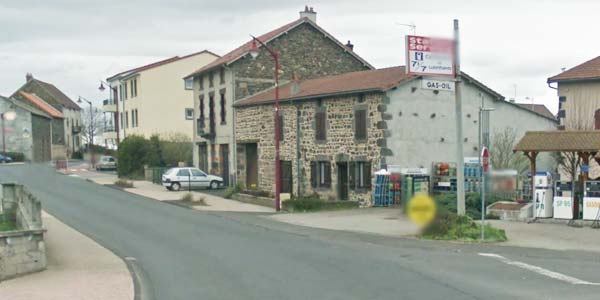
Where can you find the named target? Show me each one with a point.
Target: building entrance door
(225, 164)
(342, 174)
(286, 176)
(251, 166)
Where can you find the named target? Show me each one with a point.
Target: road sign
(485, 159)
(429, 56)
(585, 168)
(421, 209)
(440, 85)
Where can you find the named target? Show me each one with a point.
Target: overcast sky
(505, 44)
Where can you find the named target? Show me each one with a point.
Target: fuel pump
(591, 200)
(564, 200)
(543, 195)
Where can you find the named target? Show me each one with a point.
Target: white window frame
(189, 83)
(189, 116)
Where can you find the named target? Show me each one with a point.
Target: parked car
(176, 178)
(5, 159)
(106, 163)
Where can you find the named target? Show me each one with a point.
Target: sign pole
(460, 160)
(485, 167)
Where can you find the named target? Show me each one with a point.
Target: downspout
(233, 150)
(298, 154)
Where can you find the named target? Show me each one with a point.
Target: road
(185, 254)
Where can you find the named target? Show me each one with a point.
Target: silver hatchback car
(106, 163)
(176, 178)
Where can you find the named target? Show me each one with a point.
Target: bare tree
(579, 116)
(502, 155)
(92, 125)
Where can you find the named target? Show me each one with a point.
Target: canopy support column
(532, 156)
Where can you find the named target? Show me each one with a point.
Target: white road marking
(539, 270)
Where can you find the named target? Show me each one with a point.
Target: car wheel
(169, 188)
(214, 185)
(175, 186)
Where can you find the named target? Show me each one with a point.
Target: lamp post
(116, 100)
(254, 51)
(8, 116)
(90, 128)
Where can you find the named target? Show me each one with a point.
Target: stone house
(70, 140)
(578, 90)
(29, 132)
(305, 51)
(338, 130)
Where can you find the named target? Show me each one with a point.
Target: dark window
(360, 124)
(597, 119)
(321, 126)
(320, 174)
(360, 175)
(126, 119)
(222, 75)
(223, 110)
(121, 117)
(137, 120)
(125, 90)
(189, 113)
(201, 82)
(561, 113)
(201, 120)
(211, 114)
(210, 79)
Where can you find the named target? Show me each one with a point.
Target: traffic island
(450, 226)
(22, 247)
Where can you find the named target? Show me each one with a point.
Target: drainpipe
(298, 154)
(233, 156)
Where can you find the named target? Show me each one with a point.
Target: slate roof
(266, 38)
(354, 82)
(585, 71)
(157, 64)
(568, 140)
(540, 109)
(39, 103)
(57, 94)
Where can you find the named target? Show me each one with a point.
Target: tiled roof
(36, 101)
(361, 81)
(158, 64)
(587, 70)
(58, 94)
(540, 109)
(575, 140)
(265, 38)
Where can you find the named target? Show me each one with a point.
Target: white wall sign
(429, 56)
(437, 85)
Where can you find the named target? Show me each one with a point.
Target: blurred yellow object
(421, 209)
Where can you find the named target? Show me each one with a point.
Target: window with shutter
(320, 174)
(360, 124)
(352, 179)
(367, 175)
(313, 174)
(320, 126)
(327, 174)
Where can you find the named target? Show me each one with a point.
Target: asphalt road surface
(185, 254)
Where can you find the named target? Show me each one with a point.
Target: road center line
(539, 270)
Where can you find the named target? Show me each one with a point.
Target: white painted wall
(421, 119)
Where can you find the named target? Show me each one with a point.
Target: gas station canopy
(560, 141)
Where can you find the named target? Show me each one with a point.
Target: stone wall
(256, 125)
(303, 51)
(18, 131)
(23, 250)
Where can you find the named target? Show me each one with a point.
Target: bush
(177, 148)
(77, 155)
(154, 157)
(450, 226)
(122, 183)
(230, 191)
(310, 203)
(16, 156)
(189, 197)
(446, 202)
(131, 156)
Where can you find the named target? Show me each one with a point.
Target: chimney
(309, 13)
(28, 77)
(350, 46)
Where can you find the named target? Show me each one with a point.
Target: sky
(511, 46)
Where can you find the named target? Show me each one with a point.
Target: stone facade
(255, 124)
(304, 52)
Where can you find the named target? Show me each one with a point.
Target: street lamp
(8, 116)
(116, 100)
(90, 128)
(254, 51)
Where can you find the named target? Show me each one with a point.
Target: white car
(176, 178)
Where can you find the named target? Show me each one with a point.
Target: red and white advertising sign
(485, 159)
(429, 56)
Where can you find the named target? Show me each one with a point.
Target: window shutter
(327, 174)
(367, 174)
(313, 174)
(321, 131)
(352, 179)
(360, 124)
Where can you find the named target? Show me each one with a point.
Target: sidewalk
(78, 268)
(382, 221)
(160, 193)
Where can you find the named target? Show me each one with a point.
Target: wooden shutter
(367, 174)
(313, 174)
(360, 124)
(352, 177)
(327, 166)
(320, 126)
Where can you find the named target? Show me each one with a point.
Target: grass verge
(312, 204)
(450, 226)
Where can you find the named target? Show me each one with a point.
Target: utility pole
(460, 160)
